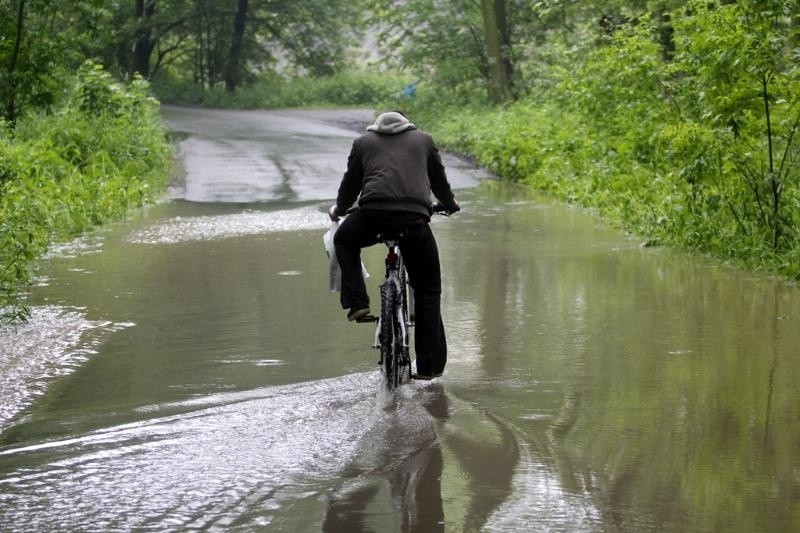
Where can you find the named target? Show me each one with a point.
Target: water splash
(53, 343)
(202, 228)
(230, 457)
(82, 245)
(539, 498)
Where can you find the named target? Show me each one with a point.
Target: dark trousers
(421, 255)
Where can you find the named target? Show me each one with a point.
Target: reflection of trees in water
(494, 324)
(407, 461)
(683, 424)
(489, 466)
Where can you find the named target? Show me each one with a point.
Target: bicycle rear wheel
(393, 337)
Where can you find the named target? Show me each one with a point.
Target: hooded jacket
(394, 167)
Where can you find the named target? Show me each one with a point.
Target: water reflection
(658, 384)
(409, 471)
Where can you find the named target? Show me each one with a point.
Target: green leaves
(101, 154)
(679, 120)
(439, 42)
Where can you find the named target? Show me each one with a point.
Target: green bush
(699, 149)
(101, 153)
(355, 88)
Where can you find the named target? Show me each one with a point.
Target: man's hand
(446, 210)
(333, 213)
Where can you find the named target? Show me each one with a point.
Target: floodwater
(190, 370)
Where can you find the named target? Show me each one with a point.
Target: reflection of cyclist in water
(392, 170)
(440, 462)
(404, 455)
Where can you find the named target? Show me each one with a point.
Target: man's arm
(351, 183)
(439, 184)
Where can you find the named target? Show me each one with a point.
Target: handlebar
(436, 208)
(439, 209)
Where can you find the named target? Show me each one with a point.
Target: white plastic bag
(335, 273)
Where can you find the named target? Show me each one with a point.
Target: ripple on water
(230, 457)
(51, 344)
(201, 228)
(83, 245)
(540, 498)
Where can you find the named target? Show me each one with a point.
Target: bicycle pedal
(367, 318)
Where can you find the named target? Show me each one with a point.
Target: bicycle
(394, 321)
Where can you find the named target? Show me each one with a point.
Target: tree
(11, 102)
(440, 41)
(42, 43)
(212, 43)
(311, 34)
(144, 40)
(498, 46)
(233, 70)
(738, 63)
(151, 35)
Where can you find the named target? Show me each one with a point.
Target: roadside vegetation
(97, 154)
(677, 120)
(351, 87)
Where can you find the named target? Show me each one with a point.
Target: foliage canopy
(678, 119)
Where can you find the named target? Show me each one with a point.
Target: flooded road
(190, 370)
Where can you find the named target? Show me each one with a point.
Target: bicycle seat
(391, 235)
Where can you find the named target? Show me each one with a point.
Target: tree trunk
(497, 48)
(199, 50)
(11, 103)
(144, 42)
(666, 32)
(235, 66)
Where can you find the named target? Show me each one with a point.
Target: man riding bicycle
(392, 170)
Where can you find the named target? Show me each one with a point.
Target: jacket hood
(390, 123)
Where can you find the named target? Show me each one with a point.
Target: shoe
(426, 377)
(357, 312)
